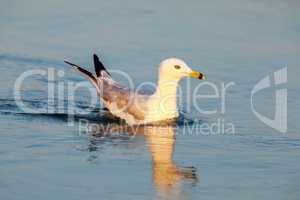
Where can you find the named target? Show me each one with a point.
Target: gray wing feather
(125, 99)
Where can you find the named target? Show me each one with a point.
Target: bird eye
(177, 67)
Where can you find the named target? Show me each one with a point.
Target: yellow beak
(197, 75)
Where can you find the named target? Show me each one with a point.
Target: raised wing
(119, 99)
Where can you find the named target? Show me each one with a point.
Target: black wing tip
(97, 61)
(95, 56)
(69, 63)
(99, 66)
(82, 70)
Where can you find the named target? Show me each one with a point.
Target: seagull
(136, 107)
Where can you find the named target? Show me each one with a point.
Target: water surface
(42, 157)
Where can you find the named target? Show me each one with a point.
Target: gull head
(176, 69)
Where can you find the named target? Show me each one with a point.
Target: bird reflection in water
(167, 176)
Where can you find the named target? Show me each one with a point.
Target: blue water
(43, 157)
